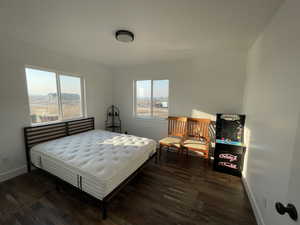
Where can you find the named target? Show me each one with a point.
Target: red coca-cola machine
(230, 148)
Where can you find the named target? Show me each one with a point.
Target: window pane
(160, 98)
(70, 96)
(42, 93)
(143, 98)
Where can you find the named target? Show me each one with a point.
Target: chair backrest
(198, 128)
(177, 126)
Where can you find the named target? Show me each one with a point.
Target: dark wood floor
(176, 191)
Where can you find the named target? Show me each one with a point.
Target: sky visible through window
(44, 82)
(47, 102)
(40, 82)
(161, 88)
(152, 104)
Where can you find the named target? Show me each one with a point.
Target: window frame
(58, 89)
(151, 117)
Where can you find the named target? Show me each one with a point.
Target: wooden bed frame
(34, 135)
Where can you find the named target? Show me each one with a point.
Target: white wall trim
(257, 212)
(12, 173)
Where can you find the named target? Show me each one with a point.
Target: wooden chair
(176, 132)
(197, 138)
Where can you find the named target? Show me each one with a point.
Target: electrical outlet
(265, 202)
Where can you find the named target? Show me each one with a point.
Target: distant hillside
(66, 96)
(52, 97)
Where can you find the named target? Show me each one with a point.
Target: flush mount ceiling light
(124, 36)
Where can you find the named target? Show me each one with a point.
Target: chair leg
(180, 150)
(206, 155)
(159, 151)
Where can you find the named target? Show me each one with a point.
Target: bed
(96, 162)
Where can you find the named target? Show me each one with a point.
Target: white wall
(209, 84)
(14, 111)
(272, 108)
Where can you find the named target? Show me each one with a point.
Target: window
(151, 98)
(54, 96)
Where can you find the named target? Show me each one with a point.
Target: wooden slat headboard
(79, 126)
(41, 133)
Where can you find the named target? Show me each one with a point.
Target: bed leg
(104, 210)
(28, 168)
(28, 159)
(57, 186)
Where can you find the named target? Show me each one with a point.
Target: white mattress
(101, 159)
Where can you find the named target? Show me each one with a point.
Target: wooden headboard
(34, 135)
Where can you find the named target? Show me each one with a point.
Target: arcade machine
(230, 148)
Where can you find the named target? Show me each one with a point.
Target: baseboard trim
(257, 212)
(12, 173)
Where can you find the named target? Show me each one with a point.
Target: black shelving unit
(113, 121)
(230, 149)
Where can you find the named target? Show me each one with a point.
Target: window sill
(151, 119)
(58, 121)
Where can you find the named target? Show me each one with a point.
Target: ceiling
(164, 29)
